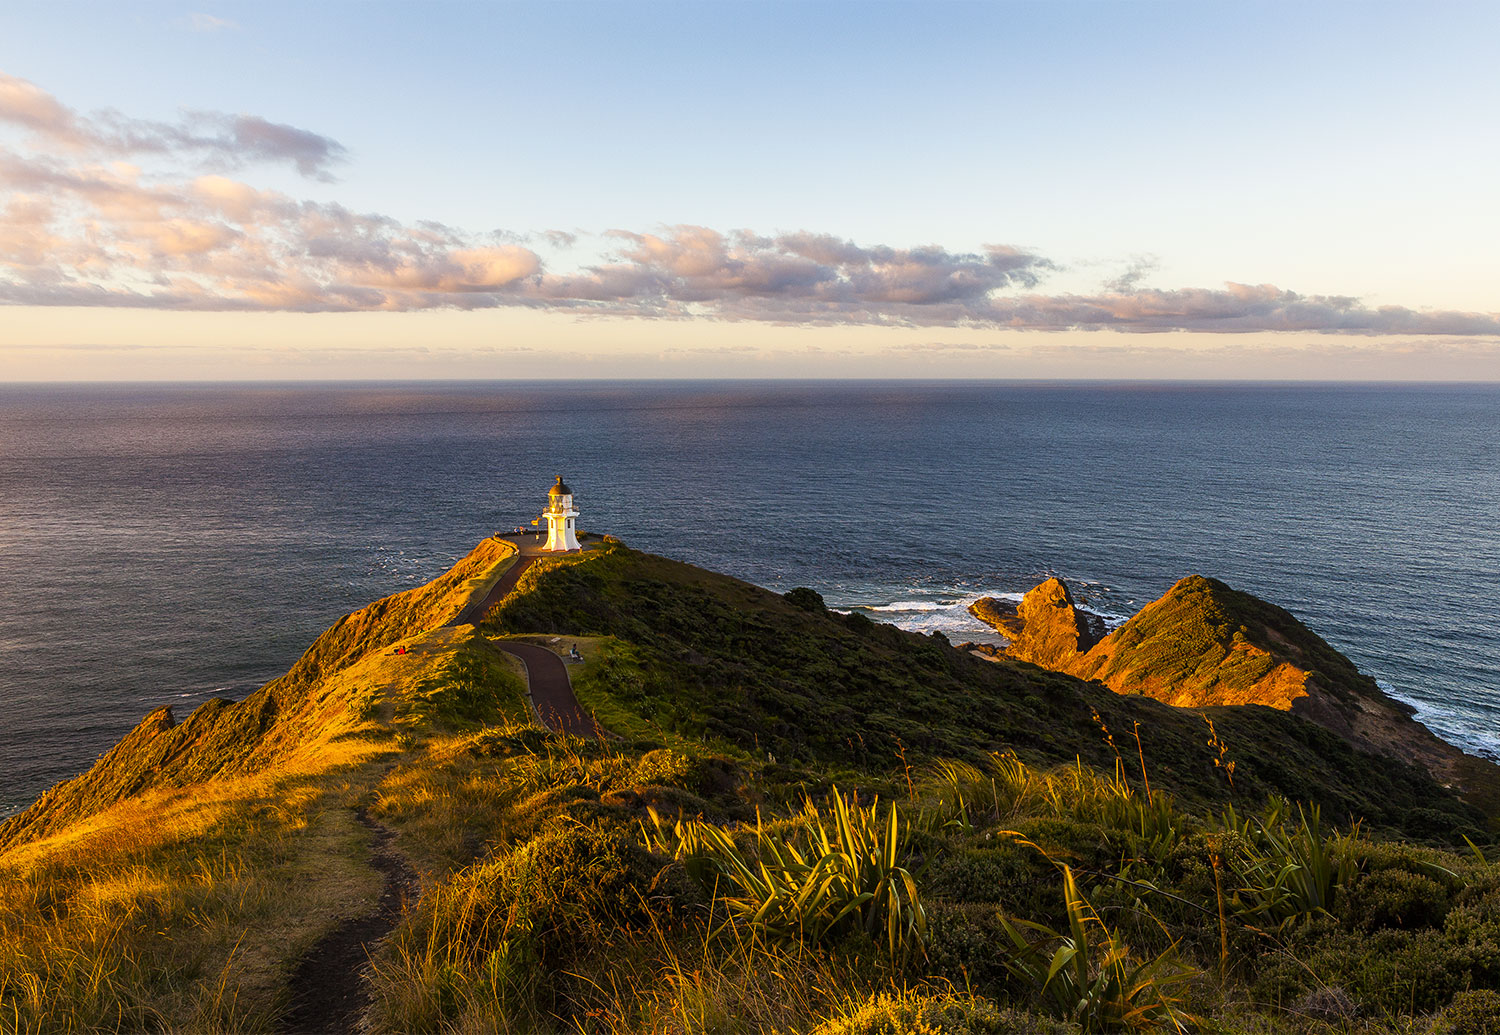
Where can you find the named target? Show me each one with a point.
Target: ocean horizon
(165, 542)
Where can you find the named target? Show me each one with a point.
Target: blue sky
(1139, 156)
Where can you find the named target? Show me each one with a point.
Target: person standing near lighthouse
(560, 515)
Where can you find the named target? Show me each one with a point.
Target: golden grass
(181, 909)
(184, 907)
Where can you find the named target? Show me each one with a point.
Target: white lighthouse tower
(560, 515)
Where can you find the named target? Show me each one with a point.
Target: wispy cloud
(216, 139)
(200, 22)
(688, 271)
(85, 224)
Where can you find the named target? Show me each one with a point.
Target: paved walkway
(551, 689)
(546, 674)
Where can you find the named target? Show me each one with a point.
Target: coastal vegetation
(1205, 644)
(797, 821)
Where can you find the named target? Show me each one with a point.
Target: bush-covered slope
(703, 654)
(1204, 644)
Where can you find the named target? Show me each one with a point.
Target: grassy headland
(1206, 644)
(802, 822)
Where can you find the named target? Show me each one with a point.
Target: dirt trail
(328, 995)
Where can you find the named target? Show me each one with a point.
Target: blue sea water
(160, 544)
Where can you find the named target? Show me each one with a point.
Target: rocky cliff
(1206, 644)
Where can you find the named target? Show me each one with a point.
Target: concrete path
(546, 674)
(551, 689)
(524, 559)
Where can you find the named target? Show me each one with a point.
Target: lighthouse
(560, 515)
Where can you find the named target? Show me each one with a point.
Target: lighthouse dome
(559, 489)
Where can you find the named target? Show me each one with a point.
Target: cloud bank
(83, 223)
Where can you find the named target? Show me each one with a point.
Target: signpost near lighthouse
(560, 514)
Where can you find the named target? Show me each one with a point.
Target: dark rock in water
(1000, 614)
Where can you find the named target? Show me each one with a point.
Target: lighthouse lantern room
(560, 516)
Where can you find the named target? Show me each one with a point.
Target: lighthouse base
(561, 536)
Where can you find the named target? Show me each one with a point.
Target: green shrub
(996, 871)
(705, 776)
(663, 766)
(1395, 898)
(1475, 1012)
(581, 883)
(806, 599)
(564, 887)
(961, 946)
(1385, 971)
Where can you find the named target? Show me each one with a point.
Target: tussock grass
(178, 910)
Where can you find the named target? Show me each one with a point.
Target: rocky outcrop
(1205, 644)
(1000, 615)
(1046, 629)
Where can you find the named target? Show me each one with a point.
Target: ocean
(161, 544)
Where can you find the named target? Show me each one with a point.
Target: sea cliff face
(320, 698)
(1205, 644)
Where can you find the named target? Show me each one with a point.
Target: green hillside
(706, 656)
(797, 821)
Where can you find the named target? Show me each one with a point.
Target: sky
(454, 190)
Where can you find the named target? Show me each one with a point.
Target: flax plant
(1087, 974)
(1288, 871)
(819, 878)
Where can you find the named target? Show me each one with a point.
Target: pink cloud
(85, 224)
(216, 137)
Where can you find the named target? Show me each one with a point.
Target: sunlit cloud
(105, 210)
(213, 138)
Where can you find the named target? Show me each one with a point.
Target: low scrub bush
(1475, 1012)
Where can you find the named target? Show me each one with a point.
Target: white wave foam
(1452, 724)
(1112, 619)
(909, 605)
